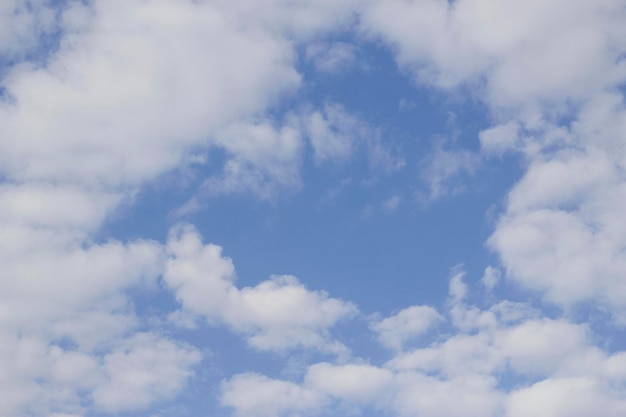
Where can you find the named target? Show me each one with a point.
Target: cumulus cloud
(521, 51)
(560, 397)
(141, 371)
(277, 314)
(40, 378)
(561, 233)
(125, 104)
(254, 395)
(474, 365)
(354, 382)
(408, 323)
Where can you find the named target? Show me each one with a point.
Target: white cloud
(41, 378)
(264, 159)
(523, 52)
(500, 139)
(491, 277)
(65, 282)
(61, 309)
(334, 133)
(302, 20)
(501, 367)
(355, 382)
(276, 314)
(562, 232)
(396, 330)
(253, 395)
(430, 397)
(143, 370)
(125, 98)
(571, 397)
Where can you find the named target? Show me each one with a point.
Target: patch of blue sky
(337, 233)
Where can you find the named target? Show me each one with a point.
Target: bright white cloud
(143, 370)
(276, 314)
(119, 105)
(473, 367)
(354, 382)
(334, 133)
(407, 324)
(253, 395)
(40, 378)
(499, 139)
(560, 397)
(523, 51)
(562, 232)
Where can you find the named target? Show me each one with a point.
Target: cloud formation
(472, 364)
(100, 98)
(276, 314)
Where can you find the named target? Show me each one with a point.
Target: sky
(281, 208)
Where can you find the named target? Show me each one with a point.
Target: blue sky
(291, 209)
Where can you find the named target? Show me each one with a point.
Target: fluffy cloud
(274, 315)
(143, 370)
(334, 133)
(253, 395)
(507, 366)
(408, 323)
(562, 233)
(40, 378)
(119, 105)
(560, 397)
(353, 382)
(522, 51)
